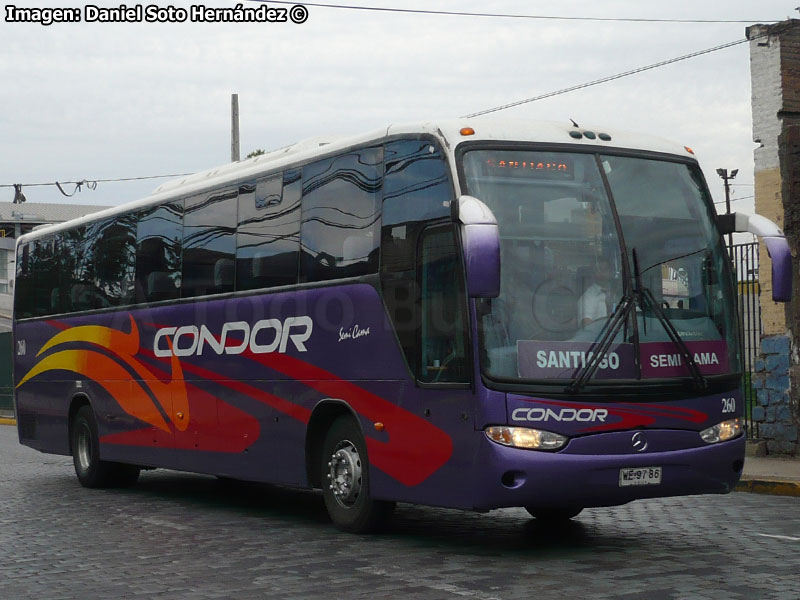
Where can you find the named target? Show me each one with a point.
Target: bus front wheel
(345, 480)
(91, 471)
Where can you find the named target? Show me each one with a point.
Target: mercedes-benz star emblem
(639, 441)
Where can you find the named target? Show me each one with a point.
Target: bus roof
(447, 131)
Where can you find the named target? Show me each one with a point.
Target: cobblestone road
(186, 536)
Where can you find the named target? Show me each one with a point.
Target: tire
(90, 470)
(345, 480)
(553, 515)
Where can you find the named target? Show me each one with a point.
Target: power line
(607, 79)
(91, 182)
(735, 199)
(514, 16)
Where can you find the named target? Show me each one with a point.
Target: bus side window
(158, 253)
(72, 283)
(75, 275)
(42, 267)
(417, 191)
(114, 261)
(24, 283)
(444, 313)
(341, 216)
(268, 236)
(209, 244)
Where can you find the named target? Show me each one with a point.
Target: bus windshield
(584, 235)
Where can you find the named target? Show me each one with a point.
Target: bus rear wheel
(345, 480)
(90, 470)
(553, 515)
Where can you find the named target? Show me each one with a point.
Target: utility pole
(234, 127)
(726, 179)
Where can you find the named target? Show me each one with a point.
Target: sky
(105, 101)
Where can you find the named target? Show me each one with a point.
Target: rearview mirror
(481, 246)
(777, 248)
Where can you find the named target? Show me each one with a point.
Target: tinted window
(62, 280)
(158, 253)
(23, 283)
(80, 279)
(44, 274)
(416, 185)
(114, 254)
(341, 213)
(209, 244)
(68, 252)
(444, 322)
(417, 190)
(268, 238)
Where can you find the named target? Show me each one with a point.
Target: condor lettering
(582, 415)
(264, 337)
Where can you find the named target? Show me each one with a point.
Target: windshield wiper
(699, 381)
(643, 294)
(639, 296)
(606, 338)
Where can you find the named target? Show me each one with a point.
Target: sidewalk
(775, 475)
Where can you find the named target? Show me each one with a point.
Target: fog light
(722, 432)
(523, 437)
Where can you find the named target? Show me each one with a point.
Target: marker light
(467, 131)
(523, 437)
(689, 150)
(722, 432)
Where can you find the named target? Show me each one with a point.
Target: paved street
(186, 536)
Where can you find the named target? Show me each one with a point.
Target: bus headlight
(523, 437)
(722, 432)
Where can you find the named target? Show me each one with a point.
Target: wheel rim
(84, 448)
(344, 474)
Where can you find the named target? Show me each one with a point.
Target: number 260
(728, 405)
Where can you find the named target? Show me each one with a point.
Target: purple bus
(467, 315)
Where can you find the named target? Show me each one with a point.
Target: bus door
(443, 394)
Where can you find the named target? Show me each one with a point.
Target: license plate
(640, 476)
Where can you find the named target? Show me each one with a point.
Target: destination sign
(564, 360)
(516, 164)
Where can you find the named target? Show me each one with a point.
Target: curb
(769, 486)
(7, 421)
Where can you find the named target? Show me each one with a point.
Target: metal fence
(745, 262)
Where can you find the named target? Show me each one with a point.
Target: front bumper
(512, 477)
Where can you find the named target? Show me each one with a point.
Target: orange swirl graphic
(112, 377)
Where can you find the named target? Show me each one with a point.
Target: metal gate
(745, 263)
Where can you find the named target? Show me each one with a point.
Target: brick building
(775, 73)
